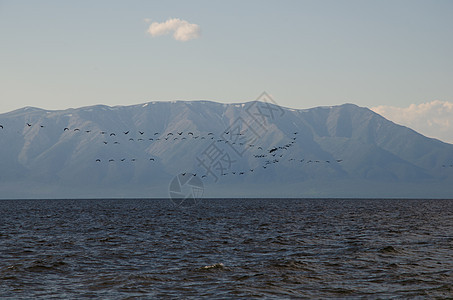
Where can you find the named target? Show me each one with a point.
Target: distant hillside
(252, 149)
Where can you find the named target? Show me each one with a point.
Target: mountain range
(253, 149)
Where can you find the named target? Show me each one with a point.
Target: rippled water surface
(273, 248)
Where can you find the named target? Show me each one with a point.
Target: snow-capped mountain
(253, 149)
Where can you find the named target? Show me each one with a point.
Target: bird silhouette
(28, 124)
(273, 150)
(126, 132)
(141, 132)
(65, 129)
(180, 133)
(112, 134)
(77, 129)
(1, 126)
(98, 160)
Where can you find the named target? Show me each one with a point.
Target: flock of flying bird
(273, 155)
(268, 156)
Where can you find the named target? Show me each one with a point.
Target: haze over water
(273, 248)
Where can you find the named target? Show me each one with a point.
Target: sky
(385, 55)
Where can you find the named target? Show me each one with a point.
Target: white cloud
(432, 119)
(181, 29)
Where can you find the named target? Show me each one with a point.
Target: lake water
(224, 248)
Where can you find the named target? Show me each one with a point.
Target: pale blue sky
(61, 54)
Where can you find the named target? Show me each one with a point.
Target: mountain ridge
(344, 144)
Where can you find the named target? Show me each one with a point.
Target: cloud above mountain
(433, 119)
(181, 29)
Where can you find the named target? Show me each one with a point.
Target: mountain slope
(249, 149)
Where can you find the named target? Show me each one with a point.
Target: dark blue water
(116, 249)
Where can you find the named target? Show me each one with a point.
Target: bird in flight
(28, 124)
(1, 126)
(98, 160)
(126, 132)
(272, 150)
